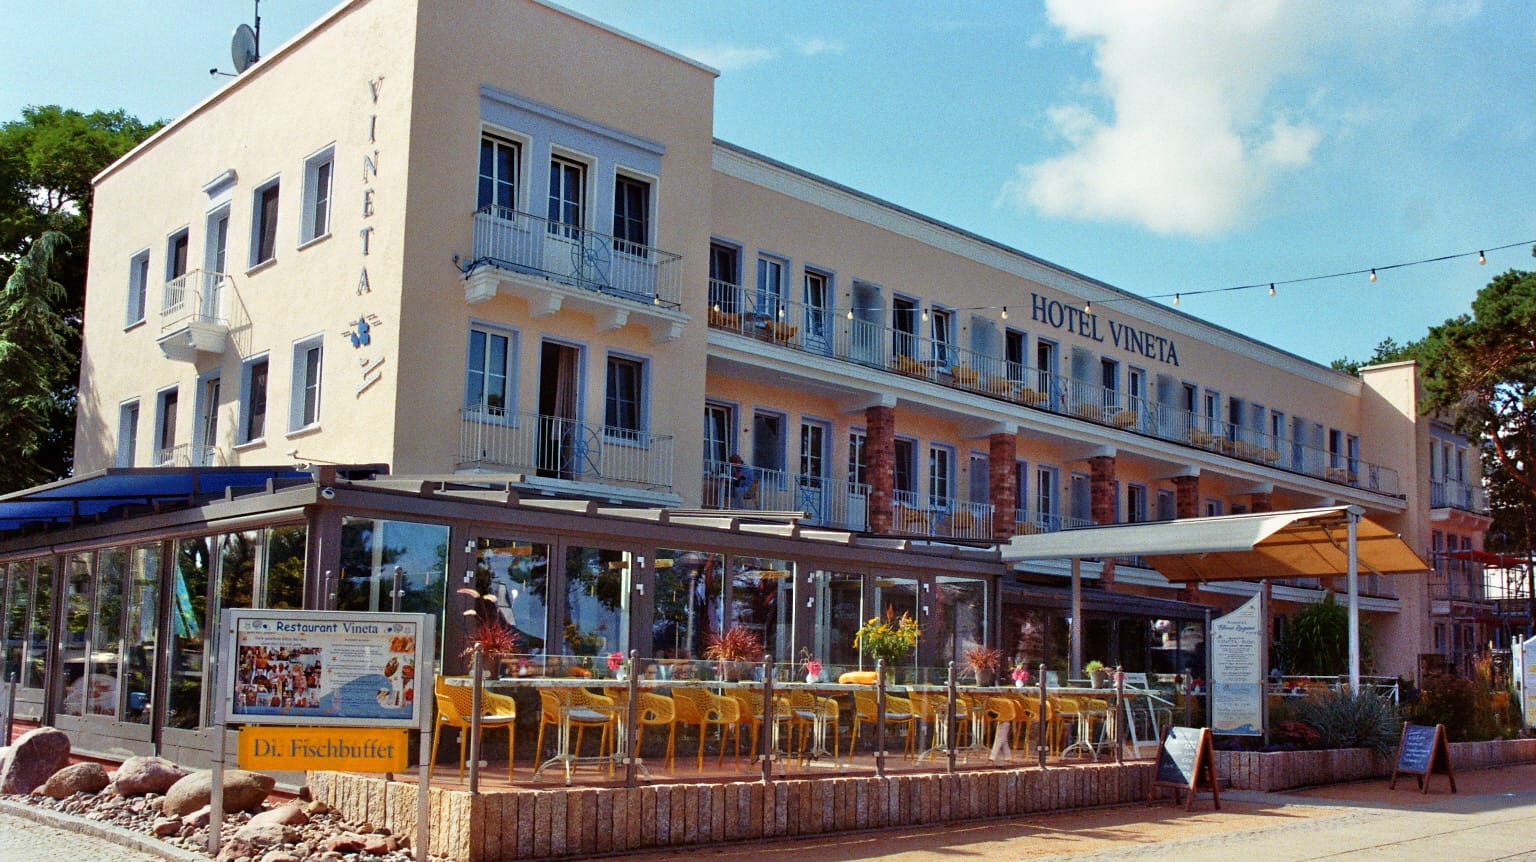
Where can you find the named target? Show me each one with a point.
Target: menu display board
(317, 668)
(1237, 675)
(1186, 762)
(1527, 676)
(1421, 752)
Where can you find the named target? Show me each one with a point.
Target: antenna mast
(257, 15)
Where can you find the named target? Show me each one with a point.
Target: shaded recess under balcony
(555, 266)
(553, 447)
(795, 326)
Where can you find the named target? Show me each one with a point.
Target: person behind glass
(742, 479)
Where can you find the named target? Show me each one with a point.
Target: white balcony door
(813, 491)
(818, 312)
(563, 251)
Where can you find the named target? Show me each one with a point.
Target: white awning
(1299, 543)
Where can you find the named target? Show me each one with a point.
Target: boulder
(266, 834)
(345, 843)
(197, 819)
(243, 791)
(283, 815)
(165, 826)
(80, 778)
(281, 856)
(35, 757)
(140, 775)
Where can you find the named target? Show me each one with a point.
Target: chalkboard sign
(1186, 761)
(1421, 752)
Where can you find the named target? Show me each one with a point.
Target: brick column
(1101, 486)
(1186, 496)
(880, 464)
(1261, 501)
(1002, 481)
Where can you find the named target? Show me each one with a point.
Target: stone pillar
(1101, 485)
(880, 464)
(1003, 483)
(1186, 496)
(1261, 501)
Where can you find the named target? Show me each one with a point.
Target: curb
(106, 831)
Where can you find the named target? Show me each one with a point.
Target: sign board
(315, 668)
(344, 749)
(1237, 673)
(1186, 761)
(1421, 752)
(1527, 677)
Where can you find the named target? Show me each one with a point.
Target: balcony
(556, 266)
(1458, 495)
(564, 449)
(810, 329)
(193, 319)
(179, 455)
(1026, 524)
(825, 502)
(941, 517)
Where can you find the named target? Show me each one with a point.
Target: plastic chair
(699, 707)
(581, 709)
(805, 709)
(651, 710)
(898, 710)
(455, 705)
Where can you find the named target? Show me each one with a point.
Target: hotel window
(904, 321)
(165, 427)
(487, 377)
(1015, 343)
(138, 286)
(1136, 388)
(1135, 503)
(623, 412)
(127, 432)
(1212, 412)
(813, 451)
(1081, 499)
(818, 305)
(1352, 457)
(318, 170)
(304, 389)
(567, 195)
(770, 287)
(857, 467)
(903, 466)
(176, 255)
(1276, 429)
(943, 335)
(1167, 506)
(1021, 491)
(719, 436)
(1212, 508)
(216, 250)
(941, 477)
(724, 278)
(253, 399)
(1335, 448)
(979, 483)
(1045, 363)
(1461, 462)
(264, 223)
(207, 430)
(1045, 498)
(1109, 378)
(500, 169)
(631, 215)
(768, 441)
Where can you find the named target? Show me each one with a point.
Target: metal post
(949, 717)
(1352, 515)
(1040, 746)
(1120, 715)
(423, 840)
(476, 666)
(10, 708)
(880, 717)
(398, 590)
(766, 735)
(631, 719)
(1075, 648)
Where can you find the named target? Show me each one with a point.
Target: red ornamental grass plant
(734, 644)
(488, 629)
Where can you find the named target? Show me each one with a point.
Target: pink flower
(813, 667)
(615, 661)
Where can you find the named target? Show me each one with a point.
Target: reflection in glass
(189, 620)
(957, 619)
(285, 567)
(74, 641)
(596, 602)
(688, 609)
(890, 598)
(18, 601)
(763, 602)
(106, 632)
(139, 632)
(374, 552)
(517, 574)
(839, 611)
(42, 616)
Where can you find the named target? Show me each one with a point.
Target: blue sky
(1160, 147)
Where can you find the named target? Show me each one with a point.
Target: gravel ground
(325, 835)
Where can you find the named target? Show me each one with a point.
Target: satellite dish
(243, 48)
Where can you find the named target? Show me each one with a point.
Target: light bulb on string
(850, 314)
(1087, 306)
(925, 315)
(1482, 259)
(1373, 276)
(1271, 288)
(1175, 299)
(1005, 312)
(715, 308)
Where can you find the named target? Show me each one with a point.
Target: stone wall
(1284, 770)
(527, 824)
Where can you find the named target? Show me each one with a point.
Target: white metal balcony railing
(820, 330)
(1456, 580)
(568, 449)
(1026, 523)
(940, 517)
(197, 296)
(826, 502)
(1457, 495)
(179, 455)
(526, 243)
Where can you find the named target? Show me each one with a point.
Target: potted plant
(496, 639)
(732, 648)
(811, 664)
(983, 662)
(1097, 673)
(890, 639)
(1020, 674)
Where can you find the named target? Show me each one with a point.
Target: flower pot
(813, 677)
(1099, 678)
(986, 676)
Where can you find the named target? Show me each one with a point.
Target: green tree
(1316, 640)
(47, 161)
(1386, 351)
(1480, 370)
(36, 365)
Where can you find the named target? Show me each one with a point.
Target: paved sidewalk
(30, 834)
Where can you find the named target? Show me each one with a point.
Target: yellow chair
(651, 710)
(749, 707)
(994, 711)
(805, 708)
(699, 707)
(898, 710)
(455, 705)
(582, 709)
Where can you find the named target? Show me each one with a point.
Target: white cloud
(816, 46)
(1197, 128)
(731, 58)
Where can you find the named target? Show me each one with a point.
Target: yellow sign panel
(344, 749)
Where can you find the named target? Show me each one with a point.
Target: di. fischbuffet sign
(324, 668)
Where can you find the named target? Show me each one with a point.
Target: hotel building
(467, 293)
